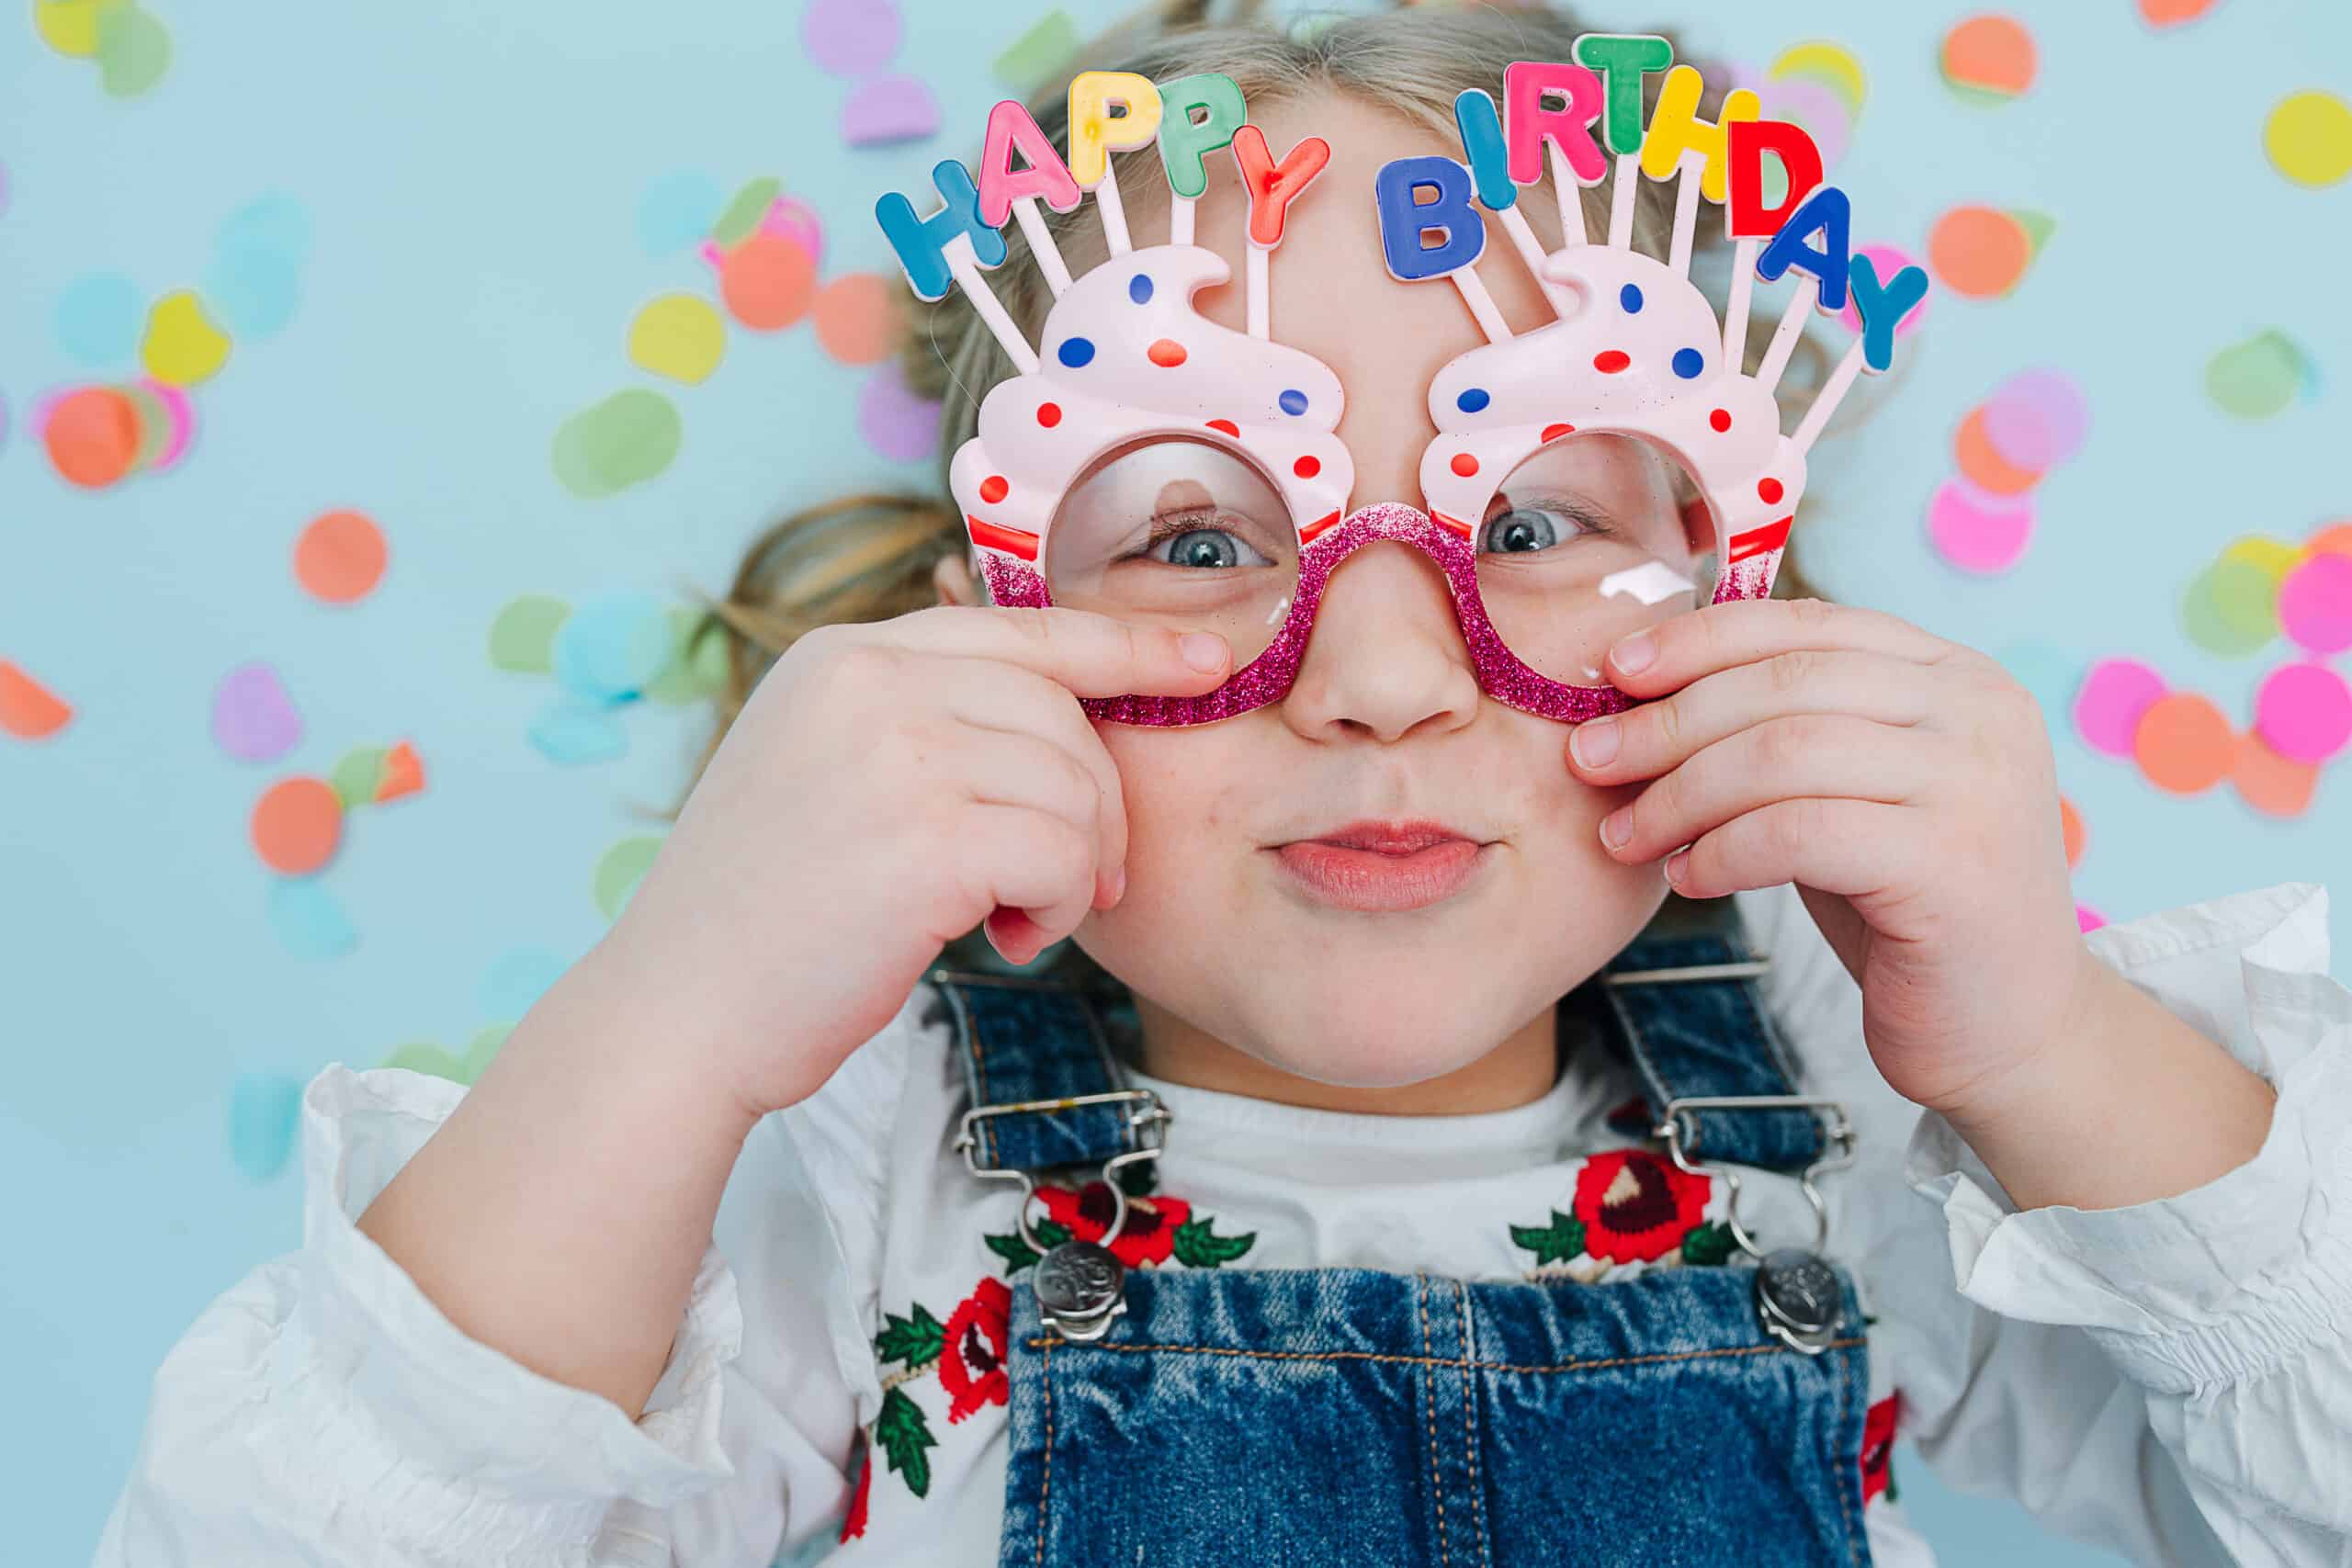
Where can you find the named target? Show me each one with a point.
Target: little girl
(1450, 1136)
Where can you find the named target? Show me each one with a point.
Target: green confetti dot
(481, 1049)
(618, 873)
(133, 50)
(2255, 378)
(356, 775)
(428, 1059)
(697, 667)
(744, 213)
(523, 636)
(1036, 56)
(2231, 608)
(624, 440)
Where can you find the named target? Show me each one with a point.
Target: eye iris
(1202, 547)
(1521, 531)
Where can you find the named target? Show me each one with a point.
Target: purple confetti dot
(893, 420)
(253, 718)
(851, 37)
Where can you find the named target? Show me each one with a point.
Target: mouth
(1383, 867)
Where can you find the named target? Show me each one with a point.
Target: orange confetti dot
(2184, 743)
(297, 824)
(340, 557)
(1984, 466)
(1979, 252)
(2172, 13)
(29, 710)
(767, 281)
(856, 317)
(2070, 823)
(93, 436)
(2335, 539)
(2268, 782)
(404, 774)
(1993, 53)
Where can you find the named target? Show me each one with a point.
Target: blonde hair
(871, 557)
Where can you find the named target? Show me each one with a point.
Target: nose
(1386, 659)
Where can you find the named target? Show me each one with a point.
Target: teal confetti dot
(676, 211)
(613, 648)
(100, 317)
(307, 920)
(572, 732)
(265, 1112)
(516, 981)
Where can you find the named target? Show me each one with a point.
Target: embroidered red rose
(1147, 1234)
(1636, 1206)
(853, 1521)
(1877, 1445)
(971, 1355)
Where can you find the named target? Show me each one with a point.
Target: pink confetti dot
(2315, 603)
(1977, 532)
(2303, 712)
(2090, 920)
(2038, 419)
(2115, 695)
(1889, 260)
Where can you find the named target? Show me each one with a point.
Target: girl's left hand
(1904, 782)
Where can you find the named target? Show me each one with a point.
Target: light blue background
(471, 174)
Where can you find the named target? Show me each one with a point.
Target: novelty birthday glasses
(1591, 477)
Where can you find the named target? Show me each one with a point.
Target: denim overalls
(1304, 1417)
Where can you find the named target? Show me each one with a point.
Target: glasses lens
(1177, 533)
(1590, 539)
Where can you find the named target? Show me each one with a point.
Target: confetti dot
(1978, 253)
(2269, 782)
(1049, 415)
(679, 336)
(182, 346)
(307, 920)
(573, 731)
(1307, 467)
(403, 774)
(2316, 603)
(1165, 352)
(1889, 260)
(355, 774)
(1464, 464)
(745, 213)
(898, 422)
(516, 981)
(613, 647)
(1990, 55)
(253, 718)
(851, 37)
(2173, 12)
(2070, 828)
(92, 434)
(2333, 540)
(2275, 558)
(2038, 419)
(1831, 64)
(29, 710)
(767, 281)
(1076, 352)
(1630, 297)
(2231, 608)
(1471, 400)
(620, 871)
(2115, 692)
(2184, 744)
(1768, 491)
(2258, 377)
(2309, 138)
(856, 319)
(993, 488)
(1139, 288)
(1610, 361)
(340, 557)
(265, 1112)
(1720, 420)
(2088, 918)
(97, 319)
(1293, 402)
(1982, 465)
(2303, 712)
(133, 50)
(1228, 426)
(889, 109)
(296, 825)
(1977, 532)
(1688, 363)
(675, 210)
(628, 438)
(522, 638)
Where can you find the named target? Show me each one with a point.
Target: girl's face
(1347, 966)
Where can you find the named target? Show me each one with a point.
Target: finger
(1650, 738)
(1682, 648)
(1782, 759)
(1032, 861)
(1849, 848)
(1015, 767)
(1092, 655)
(989, 696)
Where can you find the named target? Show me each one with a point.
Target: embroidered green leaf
(914, 1339)
(1197, 1244)
(1563, 1238)
(1708, 1245)
(904, 1434)
(1015, 1251)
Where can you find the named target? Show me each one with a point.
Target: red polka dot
(1720, 419)
(1307, 467)
(1554, 431)
(1166, 352)
(993, 488)
(1049, 415)
(1228, 426)
(1770, 491)
(1464, 464)
(1611, 361)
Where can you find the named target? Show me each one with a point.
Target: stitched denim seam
(1429, 1397)
(1469, 1437)
(1464, 1362)
(1837, 1467)
(1045, 1489)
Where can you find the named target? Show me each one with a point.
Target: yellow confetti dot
(1832, 64)
(182, 347)
(2274, 558)
(678, 336)
(2310, 138)
(71, 26)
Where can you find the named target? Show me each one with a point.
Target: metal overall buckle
(1081, 1285)
(1797, 1294)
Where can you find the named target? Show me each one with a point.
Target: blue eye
(1203, 548)
(1524, 529)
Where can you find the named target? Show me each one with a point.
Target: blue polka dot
(1139, 288)
(1077, 351)
(1631, 297)
(1293, 402)
(1688, 363)
(1471, 400)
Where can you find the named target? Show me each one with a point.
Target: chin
(1362, 1026)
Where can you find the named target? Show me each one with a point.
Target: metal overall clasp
(1081, 1285)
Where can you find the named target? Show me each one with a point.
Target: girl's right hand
(888, 787)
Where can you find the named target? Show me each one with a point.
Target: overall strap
(1031, 1047)
(1686, 1007)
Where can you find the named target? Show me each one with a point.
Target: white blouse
(2172, 1380)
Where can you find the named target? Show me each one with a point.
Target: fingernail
(1634, 652)
(1676, 864)
(1202, 650)
(1118, 885)
(1617, 827)
(1594, 741)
